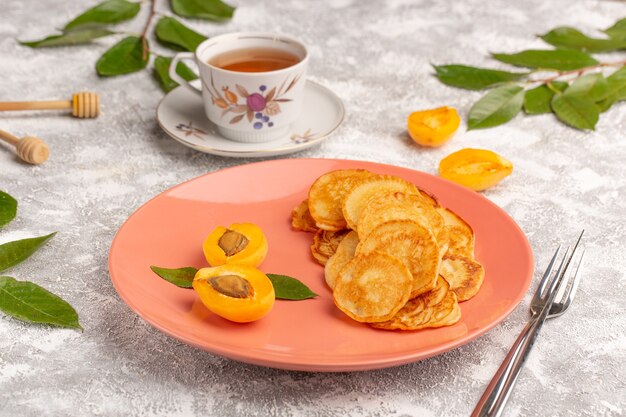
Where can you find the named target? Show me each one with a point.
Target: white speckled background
(377, 57)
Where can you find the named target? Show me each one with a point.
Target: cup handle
(182, 56)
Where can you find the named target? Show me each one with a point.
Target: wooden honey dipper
(29, 148)
(84, 105)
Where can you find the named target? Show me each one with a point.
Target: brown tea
(254, 60)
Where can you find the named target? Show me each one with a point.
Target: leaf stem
(144, 40)
(554, 89)
(579, 71)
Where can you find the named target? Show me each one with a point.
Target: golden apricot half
(372, 287)
(327, 193)
(239, 244)
(477, 169)
(237, 293)
(433, 127)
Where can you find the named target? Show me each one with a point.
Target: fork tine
(546, 275)
(572, 289)
(555, 285)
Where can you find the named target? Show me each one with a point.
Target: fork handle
(497, 392)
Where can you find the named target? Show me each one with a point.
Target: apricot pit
(237, 293)
(239, 244)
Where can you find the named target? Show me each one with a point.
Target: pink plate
(310, 335)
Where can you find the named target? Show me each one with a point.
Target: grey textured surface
(376, 56)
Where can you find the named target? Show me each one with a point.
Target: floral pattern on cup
(257, 107)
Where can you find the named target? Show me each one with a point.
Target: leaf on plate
(161, 73)
(591, 86)
(173, 34)
(107, 12)
(181, 277)
(570, 38)
(215, 10)
(69, 38)
(576, 111)
(124, 57)
(285, 287)
(472, 78)
(31, 303)
(12, 253)
(537, 100)
(618, 30)
(497, 107)
(8, 208)
(557, 59)
(288, 288)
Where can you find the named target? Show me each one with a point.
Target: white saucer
(181, 115)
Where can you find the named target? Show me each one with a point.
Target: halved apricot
(433, 127)
(238, 293)
(477, 169)
(239, 244)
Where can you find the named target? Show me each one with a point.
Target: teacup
(248, 106)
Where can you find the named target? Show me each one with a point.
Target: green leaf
(618, 75)
(161, 73)
(31, 303)
(124, 57)
(497, 107)
(107, 12)
(285, 288)
(537, 100)
(8, 208)
(12, 253)
(215, 10)
(616, 89)
(288, 288)
(472, 78)
(618, 30)
(173, 34)
(605, 104)
(591, 86)
(570, 38)
(181, 277)
(69, 38)
(576, 111)
(558, 59)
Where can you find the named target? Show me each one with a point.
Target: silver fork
(544, 304)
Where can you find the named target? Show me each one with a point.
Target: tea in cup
(252, 83)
